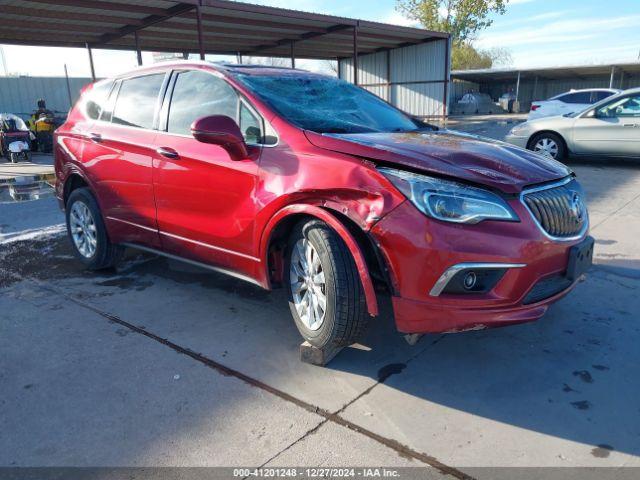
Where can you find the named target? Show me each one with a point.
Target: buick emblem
(577, 207)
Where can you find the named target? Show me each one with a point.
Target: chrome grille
(558, 209)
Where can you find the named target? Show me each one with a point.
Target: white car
(569, 102)
(608, 128)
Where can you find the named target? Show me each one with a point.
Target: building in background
(414, 78)
(533, 84)
(19, 95)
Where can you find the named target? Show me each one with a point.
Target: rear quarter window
(96, 99)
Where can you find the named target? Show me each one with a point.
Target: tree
(466, 57)
(463, 19)
(330, 66)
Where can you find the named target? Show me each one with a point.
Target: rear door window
(137, 100)
(199, 94)
(600, 95)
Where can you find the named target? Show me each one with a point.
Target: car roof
(222, 67)
(631, 90)
(619, 94)
(601, 89)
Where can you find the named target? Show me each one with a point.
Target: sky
(537, 33)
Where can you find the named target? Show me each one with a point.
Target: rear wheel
(325, 294)
(550, 145)
(87, 232)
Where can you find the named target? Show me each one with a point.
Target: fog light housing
(474, 281)
(470, 280)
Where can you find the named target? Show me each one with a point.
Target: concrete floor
(159, 364)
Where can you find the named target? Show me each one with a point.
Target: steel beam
(613, 74)
(148, 21)
(447, 79)
(293, 55)
(355, 54)
(138, 51)
(199, 27)
(298, 38)
(93, 70)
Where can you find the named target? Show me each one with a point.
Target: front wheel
(550, 145)
(87, 232)
(326, 297)
(13, 157)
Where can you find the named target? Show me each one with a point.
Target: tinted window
(137, 100)
(199, 94)
(597, 96)
(326, 105)
(580, 97)
(96, 99)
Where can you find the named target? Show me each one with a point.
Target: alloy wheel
(83, 229)
(546, 146)
(308, 285)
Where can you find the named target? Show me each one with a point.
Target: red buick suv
(286, 178)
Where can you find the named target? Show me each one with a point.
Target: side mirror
(223, 131)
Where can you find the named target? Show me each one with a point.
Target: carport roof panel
(170, 26)
(550, 73)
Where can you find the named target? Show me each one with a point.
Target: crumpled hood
(452, 154)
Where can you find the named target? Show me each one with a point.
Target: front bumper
(516, 140)
(418, 250)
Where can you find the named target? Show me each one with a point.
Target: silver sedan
(610, 127)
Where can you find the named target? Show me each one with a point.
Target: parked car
(291, 179)
(610, 128)
(476, 103)
(569, 102)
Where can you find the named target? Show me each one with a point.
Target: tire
(104, 254)
(13, 157)
(549, 138)
(345, 314)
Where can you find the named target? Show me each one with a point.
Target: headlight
(450, 201)
(520, 129)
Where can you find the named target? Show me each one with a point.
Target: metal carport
(540, 83)
(204, 27)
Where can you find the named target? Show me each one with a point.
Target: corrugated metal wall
(19, 95)
(411, 78)
(531, 91)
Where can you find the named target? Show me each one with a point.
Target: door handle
(631, 125)
(95, 137)
(168, 152)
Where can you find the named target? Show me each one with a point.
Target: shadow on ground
(574, 375)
